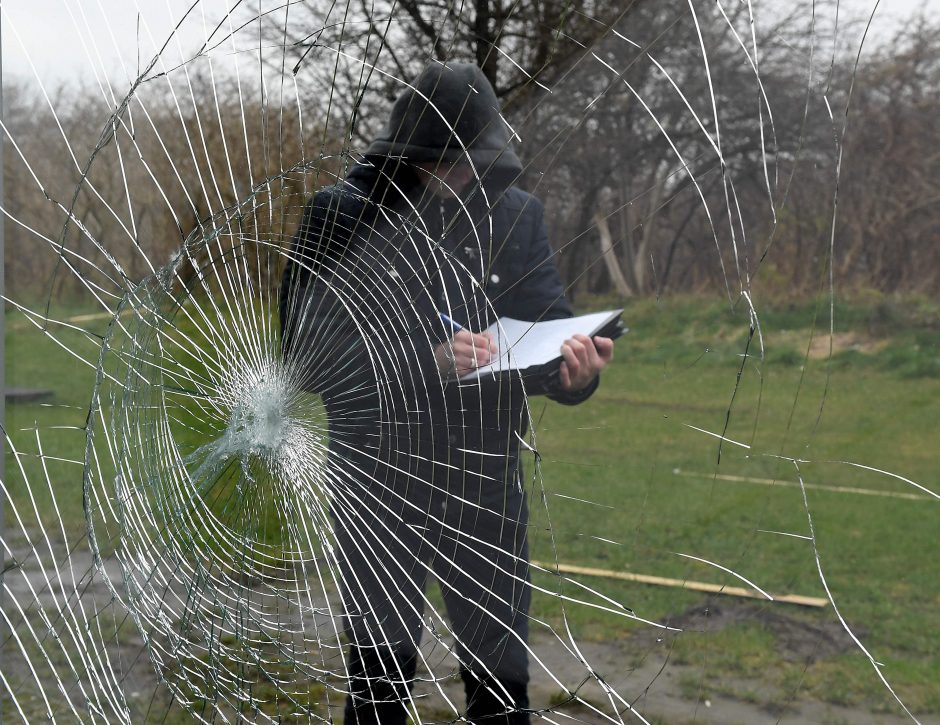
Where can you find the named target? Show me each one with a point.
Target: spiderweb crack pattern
(275, 470)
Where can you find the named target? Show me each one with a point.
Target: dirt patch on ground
(799, 639)
(820, 347)
(652, 685)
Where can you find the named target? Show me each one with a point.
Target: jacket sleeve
(319, 339)
(541, 294)
(322, 239)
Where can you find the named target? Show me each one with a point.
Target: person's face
(446, 179)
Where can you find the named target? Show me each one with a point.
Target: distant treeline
(675, 151)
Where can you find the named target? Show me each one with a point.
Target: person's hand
(584, 358)
(465, 352)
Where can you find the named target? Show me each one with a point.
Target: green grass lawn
(659, 486)
(654, 485)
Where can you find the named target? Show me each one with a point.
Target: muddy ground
(570, 682)
(658, 689)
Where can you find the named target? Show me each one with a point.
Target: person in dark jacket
(423, 469)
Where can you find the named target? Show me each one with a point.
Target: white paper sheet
(522, 344)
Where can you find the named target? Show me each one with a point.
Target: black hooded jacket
(378, 257)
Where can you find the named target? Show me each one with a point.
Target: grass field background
(875, 402)
(658, 486)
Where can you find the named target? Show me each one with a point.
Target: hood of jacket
(450, 112)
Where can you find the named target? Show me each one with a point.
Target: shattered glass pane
(251, 256)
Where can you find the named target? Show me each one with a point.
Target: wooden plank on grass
(684, 584)
(814, 486)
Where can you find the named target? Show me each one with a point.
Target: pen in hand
(455, 327)
(465, 352)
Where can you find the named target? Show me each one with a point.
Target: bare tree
(659, 170)
(148, 177)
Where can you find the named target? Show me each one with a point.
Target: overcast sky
(67, 39)
(64, 40)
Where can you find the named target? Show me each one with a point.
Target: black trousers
(464, 525)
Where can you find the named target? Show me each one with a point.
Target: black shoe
(377, 694)
(495, 702)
